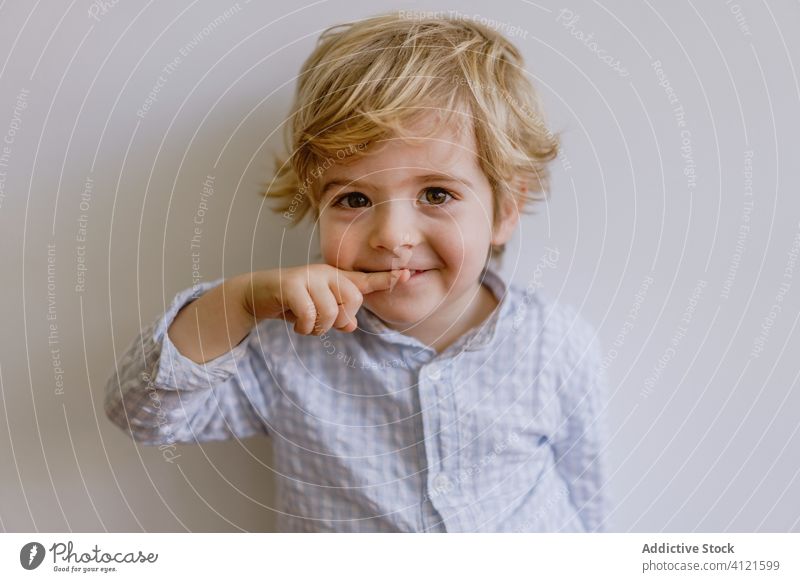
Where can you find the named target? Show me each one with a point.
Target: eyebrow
(433, 177)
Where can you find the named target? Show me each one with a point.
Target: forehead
(448, 149)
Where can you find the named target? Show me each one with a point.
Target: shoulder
(562, 333)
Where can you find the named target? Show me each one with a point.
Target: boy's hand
(316, 297)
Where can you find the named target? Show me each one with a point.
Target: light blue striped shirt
(375, 431)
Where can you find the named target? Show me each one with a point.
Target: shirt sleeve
(581, 439)
(159, 396)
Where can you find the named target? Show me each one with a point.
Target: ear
(506, 222)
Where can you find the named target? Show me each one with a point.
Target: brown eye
(352, 196)
(436, 196)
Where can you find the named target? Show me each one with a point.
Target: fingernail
(395, 277)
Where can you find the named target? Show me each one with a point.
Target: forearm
(214, 323)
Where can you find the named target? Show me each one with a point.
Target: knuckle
(306, 324)
(352, 295)
(328, 313)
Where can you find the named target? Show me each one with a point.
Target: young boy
(417, 390)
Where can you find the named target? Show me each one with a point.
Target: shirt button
(441, 482)
(435, 374)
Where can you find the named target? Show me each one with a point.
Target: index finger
(377, 281)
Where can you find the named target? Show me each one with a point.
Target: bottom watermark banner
(328, 556)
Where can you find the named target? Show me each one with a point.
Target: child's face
(424, 204)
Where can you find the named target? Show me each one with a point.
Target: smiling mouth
(416, 274)
(413, 271)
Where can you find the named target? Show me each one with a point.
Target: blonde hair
(368, 80)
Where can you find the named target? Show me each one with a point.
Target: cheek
(337, 245)
(461, 241)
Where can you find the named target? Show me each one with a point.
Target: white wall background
(651, 247)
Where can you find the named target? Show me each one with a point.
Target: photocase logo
(31, 555)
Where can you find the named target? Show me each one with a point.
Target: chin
(398, 313)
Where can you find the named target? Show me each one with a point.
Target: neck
(442, 328)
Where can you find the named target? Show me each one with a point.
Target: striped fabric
(374, 431)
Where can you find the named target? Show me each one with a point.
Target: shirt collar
(474, 339)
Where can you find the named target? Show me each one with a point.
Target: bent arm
(160, 396)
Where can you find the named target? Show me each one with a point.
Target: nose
(395, 227)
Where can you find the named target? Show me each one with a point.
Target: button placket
(443, 487)
(431, 424)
